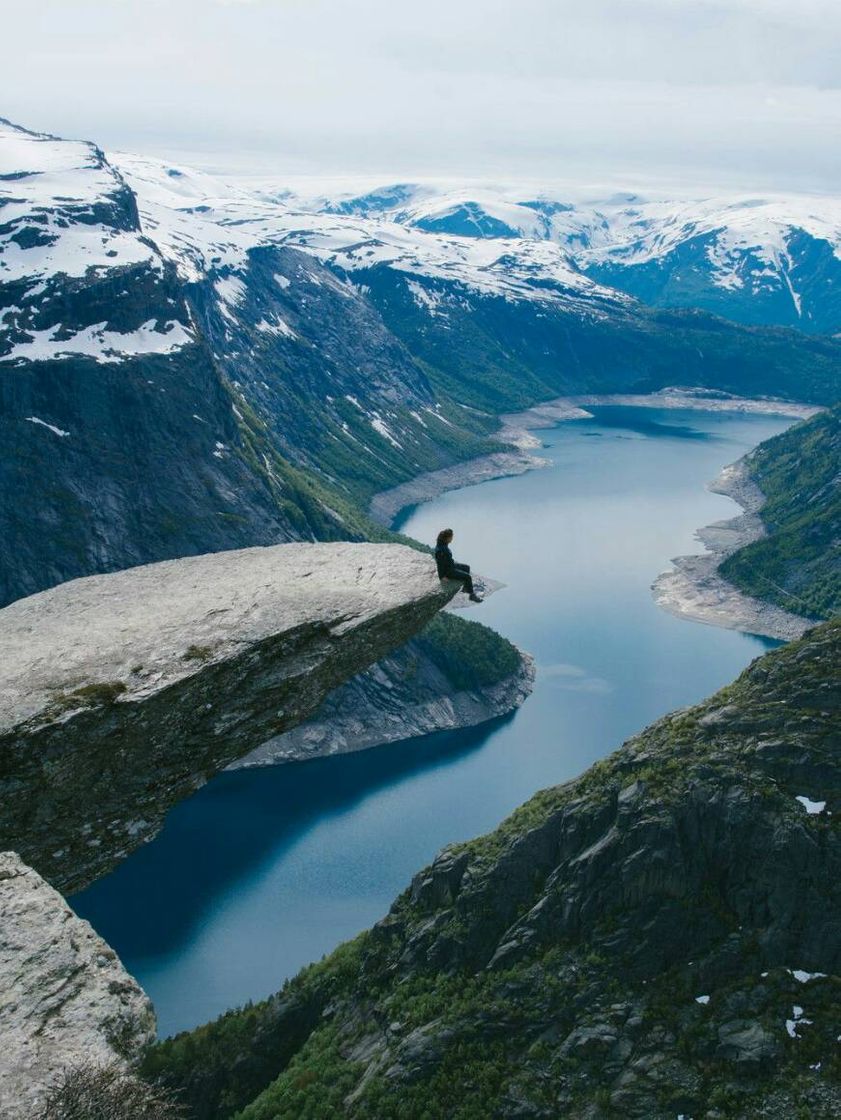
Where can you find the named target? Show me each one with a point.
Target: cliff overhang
(121, 694)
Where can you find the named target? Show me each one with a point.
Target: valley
(313, 852)
(235, 413)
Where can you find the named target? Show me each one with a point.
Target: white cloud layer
(719, 91)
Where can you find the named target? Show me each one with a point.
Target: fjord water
(265, 870)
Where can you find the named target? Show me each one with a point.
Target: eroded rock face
(121, 694)
(403, 696)
(64, 995)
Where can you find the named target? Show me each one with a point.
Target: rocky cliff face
(65, 996)
(433, 683)
(658, 937)
(121, 694)
(123, 440)
(160, 401)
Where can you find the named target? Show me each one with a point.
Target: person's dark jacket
(444, 560)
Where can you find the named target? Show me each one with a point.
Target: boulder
(65, 998)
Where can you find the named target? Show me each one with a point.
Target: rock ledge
(121, 694)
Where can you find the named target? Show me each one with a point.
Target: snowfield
(492, 240)
(71, 214)
(53, 192)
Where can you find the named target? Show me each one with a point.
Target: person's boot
(474, 598)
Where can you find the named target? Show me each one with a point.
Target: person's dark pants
(462, 572)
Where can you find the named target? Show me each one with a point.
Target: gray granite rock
(64, 995)
(121, 694)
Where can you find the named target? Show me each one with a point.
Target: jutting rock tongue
(121, 694)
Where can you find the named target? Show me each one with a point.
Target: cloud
(719, 91)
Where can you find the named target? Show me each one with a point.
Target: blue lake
(263, 871)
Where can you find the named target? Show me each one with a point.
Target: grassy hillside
(798, 565)
(657, 937)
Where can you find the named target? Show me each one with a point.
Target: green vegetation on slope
(469, 654)
(498, 355)
(554, 967)
(798, 565)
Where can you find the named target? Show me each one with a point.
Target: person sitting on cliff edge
(449, 569)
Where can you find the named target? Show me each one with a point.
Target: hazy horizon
(699, 95)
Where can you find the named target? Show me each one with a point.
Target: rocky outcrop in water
(64, 996)
(121, 694)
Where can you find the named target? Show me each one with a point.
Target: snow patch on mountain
(275, 325)
(44, 424)
(379, 425)
(99, 343)
(59, 201)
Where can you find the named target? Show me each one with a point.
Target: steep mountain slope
(121, 440)
(497, 321)
(129, 436)
(657, 937)
(511, 354)
(798, 564)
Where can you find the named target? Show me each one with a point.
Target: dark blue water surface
(265, 870)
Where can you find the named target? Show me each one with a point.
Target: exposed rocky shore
(694, 588)
(121, 694)
(516, 428)
(699, 400)
(515, 431)
(386, 505)
(65, 997)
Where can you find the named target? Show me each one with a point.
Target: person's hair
(445, 536)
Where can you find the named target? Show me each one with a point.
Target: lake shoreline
(360, 730)
(694, 589)
(516, 430)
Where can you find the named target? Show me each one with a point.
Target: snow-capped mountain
(70, 227)
(202, 222)
(757, 261)
(515, 317)
(189, 363)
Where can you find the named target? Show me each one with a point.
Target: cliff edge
(121, 694)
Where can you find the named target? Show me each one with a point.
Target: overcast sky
(729, 93)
